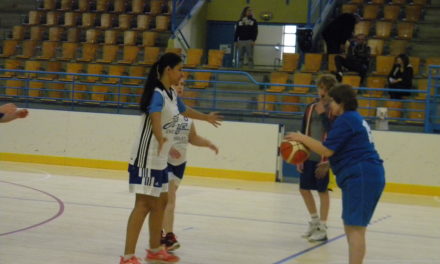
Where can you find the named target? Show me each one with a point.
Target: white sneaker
(320, 234)
(313, 225)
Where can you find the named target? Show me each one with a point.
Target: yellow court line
(196, 171)
(120, 165)
(412, 189)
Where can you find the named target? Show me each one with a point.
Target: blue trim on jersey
(181, 105)
(157, 103)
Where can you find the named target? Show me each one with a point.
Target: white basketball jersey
(144, 153)
(181, 139)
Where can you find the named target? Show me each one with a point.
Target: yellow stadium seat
(376, 82)
(370, 12)
(88, 52)
(69, 50)
(18, 32)
(312, 62)
(149, 38)
(398, 46)
(151, 55)
(376, 46)
(9, 48)
(391, 12)
(143, 22)
(55, 33)
(130, 54)
(111, 37)
(278, 78)
(384, 65)
(383, 29)
(48, 50)
(138, 6)
(204, 77)
(352, 80)
(109, 54)
(28, 48)
(135, 71)
(301, 78)
(405, 30)
(193, 58)
(290, 62)
(162, 23)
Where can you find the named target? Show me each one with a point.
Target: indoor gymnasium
(219, 131)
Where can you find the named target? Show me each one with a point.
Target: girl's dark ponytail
(151, 82)
(167, 60)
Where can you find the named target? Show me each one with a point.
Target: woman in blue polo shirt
(357, 165)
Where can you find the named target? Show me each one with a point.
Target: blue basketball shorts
(362, 185)
(175, 173)
(147, 181)
(307, 179)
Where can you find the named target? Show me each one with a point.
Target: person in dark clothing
(400, 77)
(246, 32)
(339, 31)
(357, 58)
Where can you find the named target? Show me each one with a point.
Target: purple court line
(323, 244)
(60, 210)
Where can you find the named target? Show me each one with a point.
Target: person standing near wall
(148, 175)
(314, 171)
(185, 133)
(246, 32)
(359, 170)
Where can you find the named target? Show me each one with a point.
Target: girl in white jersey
(185, 133)
(148, 176)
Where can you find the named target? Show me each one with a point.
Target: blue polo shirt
(351, 140)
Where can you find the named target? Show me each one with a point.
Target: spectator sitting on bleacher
(357, 58)
(400, 77)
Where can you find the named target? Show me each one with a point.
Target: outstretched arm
(9, 116)
(214, 118)
(199, 141)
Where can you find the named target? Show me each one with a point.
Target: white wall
(268, 35)
(410, 158)
(243, 146)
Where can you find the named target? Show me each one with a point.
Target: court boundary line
(58, 214)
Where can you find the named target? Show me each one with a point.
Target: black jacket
(359, 52)
(246, 29)
(340, 29)
(406, 75)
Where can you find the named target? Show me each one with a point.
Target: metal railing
(246, 96)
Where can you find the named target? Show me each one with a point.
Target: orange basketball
(294, 152)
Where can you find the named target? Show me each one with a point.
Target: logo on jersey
(182, 127)
(172, 123)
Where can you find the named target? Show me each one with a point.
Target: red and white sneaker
(170, 241)
(162, 257)
(133, 260)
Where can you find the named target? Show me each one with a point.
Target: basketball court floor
(55, 214)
